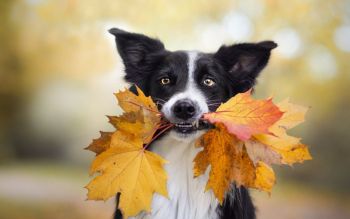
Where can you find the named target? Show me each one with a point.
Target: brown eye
(209, 82)
(165, 81)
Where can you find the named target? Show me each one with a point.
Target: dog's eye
(165, 81)
(209, 82)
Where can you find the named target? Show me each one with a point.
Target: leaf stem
(146, 108)
(167, 127)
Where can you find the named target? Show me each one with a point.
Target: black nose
(184, 109)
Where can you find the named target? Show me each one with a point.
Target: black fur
(234, 69)
(243, 62)
(240, 207)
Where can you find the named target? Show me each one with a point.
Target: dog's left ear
(243, 62)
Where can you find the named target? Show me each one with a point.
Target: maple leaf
(124, 164)
(264, 177)
(128, 168)
(289, 147)
(261, 152)
(244, 116)
(130, 102)
(137, 107)
(100, 144)
(139, 123)
(141, 118)
(229, 163)
(128, 122)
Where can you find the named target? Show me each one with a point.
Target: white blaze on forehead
(191, 91)
(192, 58)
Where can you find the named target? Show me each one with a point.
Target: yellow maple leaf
(128, 168)
(100, 144)
(129, 101)
(139, 123)
(244, 116)
(140, 107)
(293, 114)
(141, 118)
(289, 147)
(128, 122)
(124, 164)
(264, 177)
(298, 154)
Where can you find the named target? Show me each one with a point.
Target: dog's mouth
(190, 127)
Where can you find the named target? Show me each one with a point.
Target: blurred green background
(59, 69)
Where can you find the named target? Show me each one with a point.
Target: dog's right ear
(136, 51)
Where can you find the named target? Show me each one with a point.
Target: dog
(186, 84)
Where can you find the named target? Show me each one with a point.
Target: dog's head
(186, 84)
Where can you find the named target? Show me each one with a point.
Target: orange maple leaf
(244, 116)
(229, 163)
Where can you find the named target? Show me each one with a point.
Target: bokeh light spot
(342, 38)
(238, 26)
(322, 64)
(289, 42)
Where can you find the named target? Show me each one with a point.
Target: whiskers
(159, 101)
(214, 103)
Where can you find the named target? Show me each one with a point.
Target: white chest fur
(187, 196)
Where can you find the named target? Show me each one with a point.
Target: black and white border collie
(186, 84)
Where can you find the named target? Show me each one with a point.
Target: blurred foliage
(56, 59)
